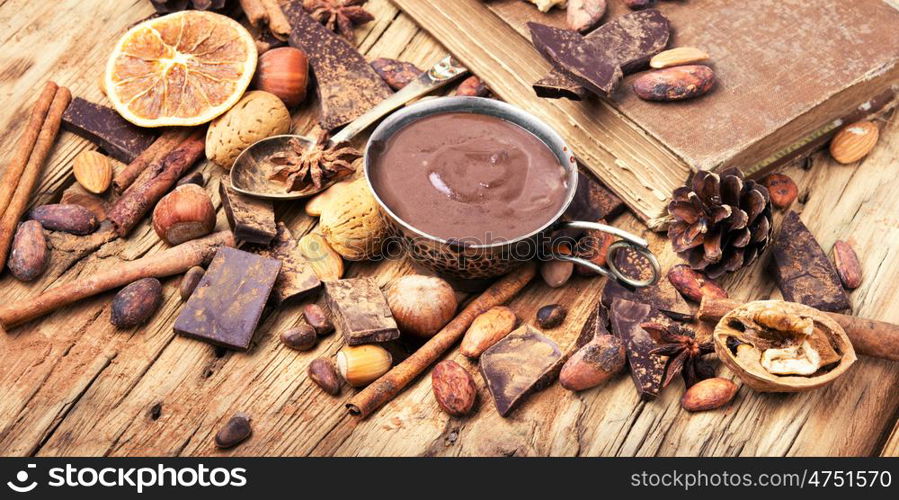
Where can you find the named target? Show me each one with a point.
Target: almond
(848, 267)
(709, 394)
(326, 263)
(93, 171)
(677, 57)
(854, 141)
(454, 388)
(487, 329)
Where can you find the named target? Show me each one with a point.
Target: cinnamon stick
(163, 145)
(26, 145)
(391, 383)
(169, 262)
(277, 21)
(32, 172)
(155, 182)
(869, 337)
(255, 11)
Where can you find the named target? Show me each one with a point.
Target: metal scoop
(251, 175)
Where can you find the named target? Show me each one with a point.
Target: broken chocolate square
(523, 362)
(360, 312)
(251, 219)
(572, 55)
(103, 126)
(662, 296)
(297, 278)
(647, 369)
(226, 306)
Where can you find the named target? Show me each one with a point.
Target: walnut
(777, 346)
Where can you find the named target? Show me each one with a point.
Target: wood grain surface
(74, 385)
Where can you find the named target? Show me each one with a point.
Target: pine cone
(721, 222)
(167, 6)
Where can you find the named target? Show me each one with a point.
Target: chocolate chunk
(103, 126)
(347, 86)
(662, 296)
(629, 41)
(360, 312)
(593, 201)
(251, 219)
(226, 306)
(804, 273)
(569, 53)
(297, 278)
(523, 362)
(647, 369)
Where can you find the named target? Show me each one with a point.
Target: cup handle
(627, 240)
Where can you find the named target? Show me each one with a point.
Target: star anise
(340, 16)
(684, 353)
(299, 165)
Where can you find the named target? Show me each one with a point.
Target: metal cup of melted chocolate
(474, 186)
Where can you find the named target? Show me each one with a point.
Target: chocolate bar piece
(569, 53)
(804, 273)
(593, 201)
(226, 305)
(103, 126)
(360, 311)
(523, 362)
(297, 278)
(251, 219)
(662, 296)
(347, 86)
(647, 370)
(629, 41)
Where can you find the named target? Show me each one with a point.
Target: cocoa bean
(323, 373)
(709, 394)
(135, 303)
(556, 273)
(487, 329)
(454, 389)
(693, 284)
(236, 431)
(639, 4)
(190, 281)
(593, 246)
(551, 316)
(396, 74)
(584, 15)
(73, 219)
(29, 254)
(472, 87)
(675, 84)
(593, 364)
(781, 188)
(318, 319)
(300, 338)
(848, 267)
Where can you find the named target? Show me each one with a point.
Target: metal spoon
(250, 176)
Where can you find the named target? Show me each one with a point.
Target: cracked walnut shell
(352, 223)
(777, 346)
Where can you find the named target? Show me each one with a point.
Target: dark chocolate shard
(647, 369)
(347, 86)
(569, 53)
(104, 127)
(804, 273)
(226, 306)
(662, 296)
(523, 362)
(360, 312)
(252, 219)
(593, 201)
(629, 41)
(297, 279)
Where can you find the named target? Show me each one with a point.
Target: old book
(789, 74)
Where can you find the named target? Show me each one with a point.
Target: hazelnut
(284, 72)
(421, 305)
(359, 365)
(184, 214)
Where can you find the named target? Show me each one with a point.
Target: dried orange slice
(181, 69)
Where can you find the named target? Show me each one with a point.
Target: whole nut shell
(487, 329)
(29, 254)
(284, 72)
(421, 305)
(190, 281)
(675, 84)
(551, 316)
(323, 373)
(236, 431)
(454, 389)
(135, 303)
(93, 171)
(184, 214)
(353, 224)
(72, 219)
(593, 364)
(709, 394)
(854, 141)
(325, 262)
(781, 188)
(848, 267)
(300, 338)
(677, 56)
(318, 319)
(694, 285)
(256, 116)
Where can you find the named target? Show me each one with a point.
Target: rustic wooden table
(74, 385)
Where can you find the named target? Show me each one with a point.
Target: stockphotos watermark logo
(134, 478)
